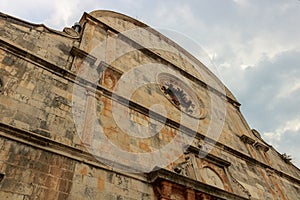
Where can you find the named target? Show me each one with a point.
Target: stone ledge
(79, 153)
(159, 175)
(103, 65)
(257, 145)
(37, 27)
(82, 54)
(261, 146)
(247, 139)
(209, 157)
(30, 57)
(45, 143)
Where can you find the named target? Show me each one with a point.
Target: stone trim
(38, 27)
(208, 156)
(160, 175)
(257, 145)
(261, 146)
(82, 54)
(47, 144)
(103, 66)
(256, 133)
(248, 140)
(114, 14)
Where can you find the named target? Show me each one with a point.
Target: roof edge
(99, 13)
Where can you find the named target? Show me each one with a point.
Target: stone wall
(33, 173)
(58, 92)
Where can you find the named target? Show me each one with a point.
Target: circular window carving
(180, 95)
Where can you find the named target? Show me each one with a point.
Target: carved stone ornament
(71, 32)
(183, 167)
(180, 95)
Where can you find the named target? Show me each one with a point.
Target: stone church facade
(112, 109)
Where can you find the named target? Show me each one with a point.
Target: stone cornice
(39, 27)
(261, 146)
(104, 66)
(165, 175)
(82, 54)
(30, 57)
(79, 153)
(208, 156)
(258, 145)
(247, 139)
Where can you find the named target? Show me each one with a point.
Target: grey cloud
(263, 109)
(288, 144)
(261, 85)
(34, 11)
(258, 90)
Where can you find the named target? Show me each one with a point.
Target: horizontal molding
(208, 156)
(38, 27)
(247, 139)
(82, 54)
(261, 146)
(40, 62)
(103, 65)
(48, 144)
(160, 175)
(257, 145)
(79, 154)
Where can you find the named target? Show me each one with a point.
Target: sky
(254, 44)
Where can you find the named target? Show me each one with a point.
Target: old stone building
(112, 109)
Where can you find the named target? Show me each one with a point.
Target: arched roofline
(102, 13)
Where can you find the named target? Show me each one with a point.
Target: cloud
(31, 10)
(64, 11)
(285, 139)
(270, 96)
(265, 89)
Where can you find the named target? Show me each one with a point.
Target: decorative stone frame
(248, 140)
(217, 165)
(193, 104)
(166, 183)
(110, 75)
(256, 144)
